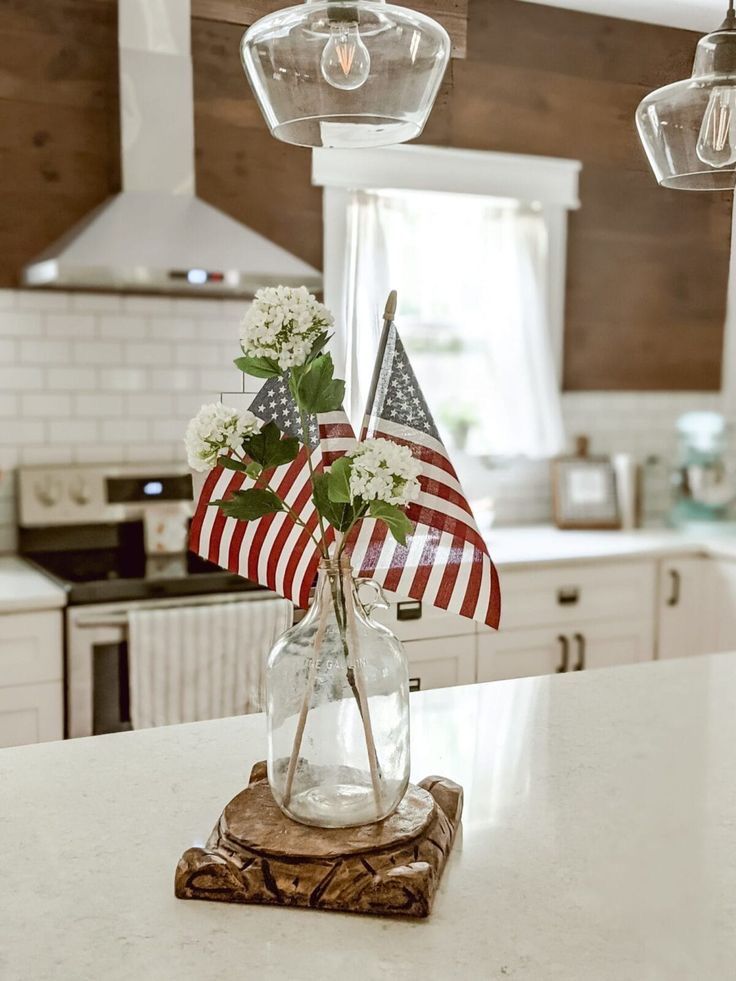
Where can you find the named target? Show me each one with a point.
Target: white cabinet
(441, 662)
(546, 650)
(571, 618)
(684, 594)
(722, 609)
(31, 677)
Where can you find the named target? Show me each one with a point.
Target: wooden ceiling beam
(452, 14)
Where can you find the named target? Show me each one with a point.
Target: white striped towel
(190, 663)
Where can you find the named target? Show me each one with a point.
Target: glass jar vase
(337, 690)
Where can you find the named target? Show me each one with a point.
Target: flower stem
(305, 434)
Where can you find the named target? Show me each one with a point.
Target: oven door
(97, 698)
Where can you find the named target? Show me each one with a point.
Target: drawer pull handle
(565, 662)
(674, 598)
(580, 641)
(409, 610)
(415, 684)
(568, 595)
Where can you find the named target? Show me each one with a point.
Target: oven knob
(48, 493)
(79, 493)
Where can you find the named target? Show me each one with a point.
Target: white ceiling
(694, 15)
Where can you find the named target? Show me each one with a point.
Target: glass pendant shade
(688, 128)
(332, 73)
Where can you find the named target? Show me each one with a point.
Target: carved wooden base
(257, 855)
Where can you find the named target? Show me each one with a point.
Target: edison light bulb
(345, 63)
(716, 144)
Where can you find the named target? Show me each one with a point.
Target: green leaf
(314, 388)
(398, 523)
(250, 504)
(268, 448)
(319, 343)
(254, 470)
(259, 367)
(229, 463)
(340, 516)
(338, 481)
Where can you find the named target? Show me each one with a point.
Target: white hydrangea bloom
(215, 429)
(282, 324)
(384, 471)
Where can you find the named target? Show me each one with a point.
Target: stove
(115, 538)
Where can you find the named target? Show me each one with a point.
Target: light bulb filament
(345, 53)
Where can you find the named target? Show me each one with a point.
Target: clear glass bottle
(337, 688)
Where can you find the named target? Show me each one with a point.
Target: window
(480, 279)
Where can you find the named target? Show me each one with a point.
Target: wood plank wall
(59, 121)
(647, 268)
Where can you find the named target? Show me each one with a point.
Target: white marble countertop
(534, 545)
(598, 843)
(23, 588)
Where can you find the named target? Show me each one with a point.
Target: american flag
(445, 561)
(273, 551)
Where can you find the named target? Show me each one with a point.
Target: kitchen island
(598, 842)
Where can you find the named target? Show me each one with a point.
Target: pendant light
(345, 73)
(688, 128)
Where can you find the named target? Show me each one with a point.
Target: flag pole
(389, 313)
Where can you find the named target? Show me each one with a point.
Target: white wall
(96, 378)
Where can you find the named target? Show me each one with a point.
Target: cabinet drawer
(441, 663)
(30, 648)
(413, 620)
(550, 650)
(570, 594)
(31, 714)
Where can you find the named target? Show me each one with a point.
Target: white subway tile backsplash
(98, 352)
(45, 351)
(124, 430)
(150, 405)
(8, 403)
(19, 378)
(70, 325)
(124, 327)
(156, 305)
(70, 379)
(96, 302)
(27, 431)
(168, 429)
(171, 328)
(45, 405)
(8, 299)
(98, 453)
(220, 330)
(148, 353)
(8, 348)
(42, 300)
(73, 430)
(198, 355)
(123, 379)
(174, 380)
(217, 380)
(14, 323)
(99, 405)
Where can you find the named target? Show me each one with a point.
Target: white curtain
(472, 275)
(365, 292)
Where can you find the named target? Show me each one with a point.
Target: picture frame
(584, 493)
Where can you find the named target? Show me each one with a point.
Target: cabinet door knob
(580, 641)
(674, 598)
(565, 662)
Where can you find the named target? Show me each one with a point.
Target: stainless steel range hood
(156, 235)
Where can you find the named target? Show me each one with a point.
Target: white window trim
(548, 181)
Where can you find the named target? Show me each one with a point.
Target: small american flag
(273, 551)
(445, 561)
